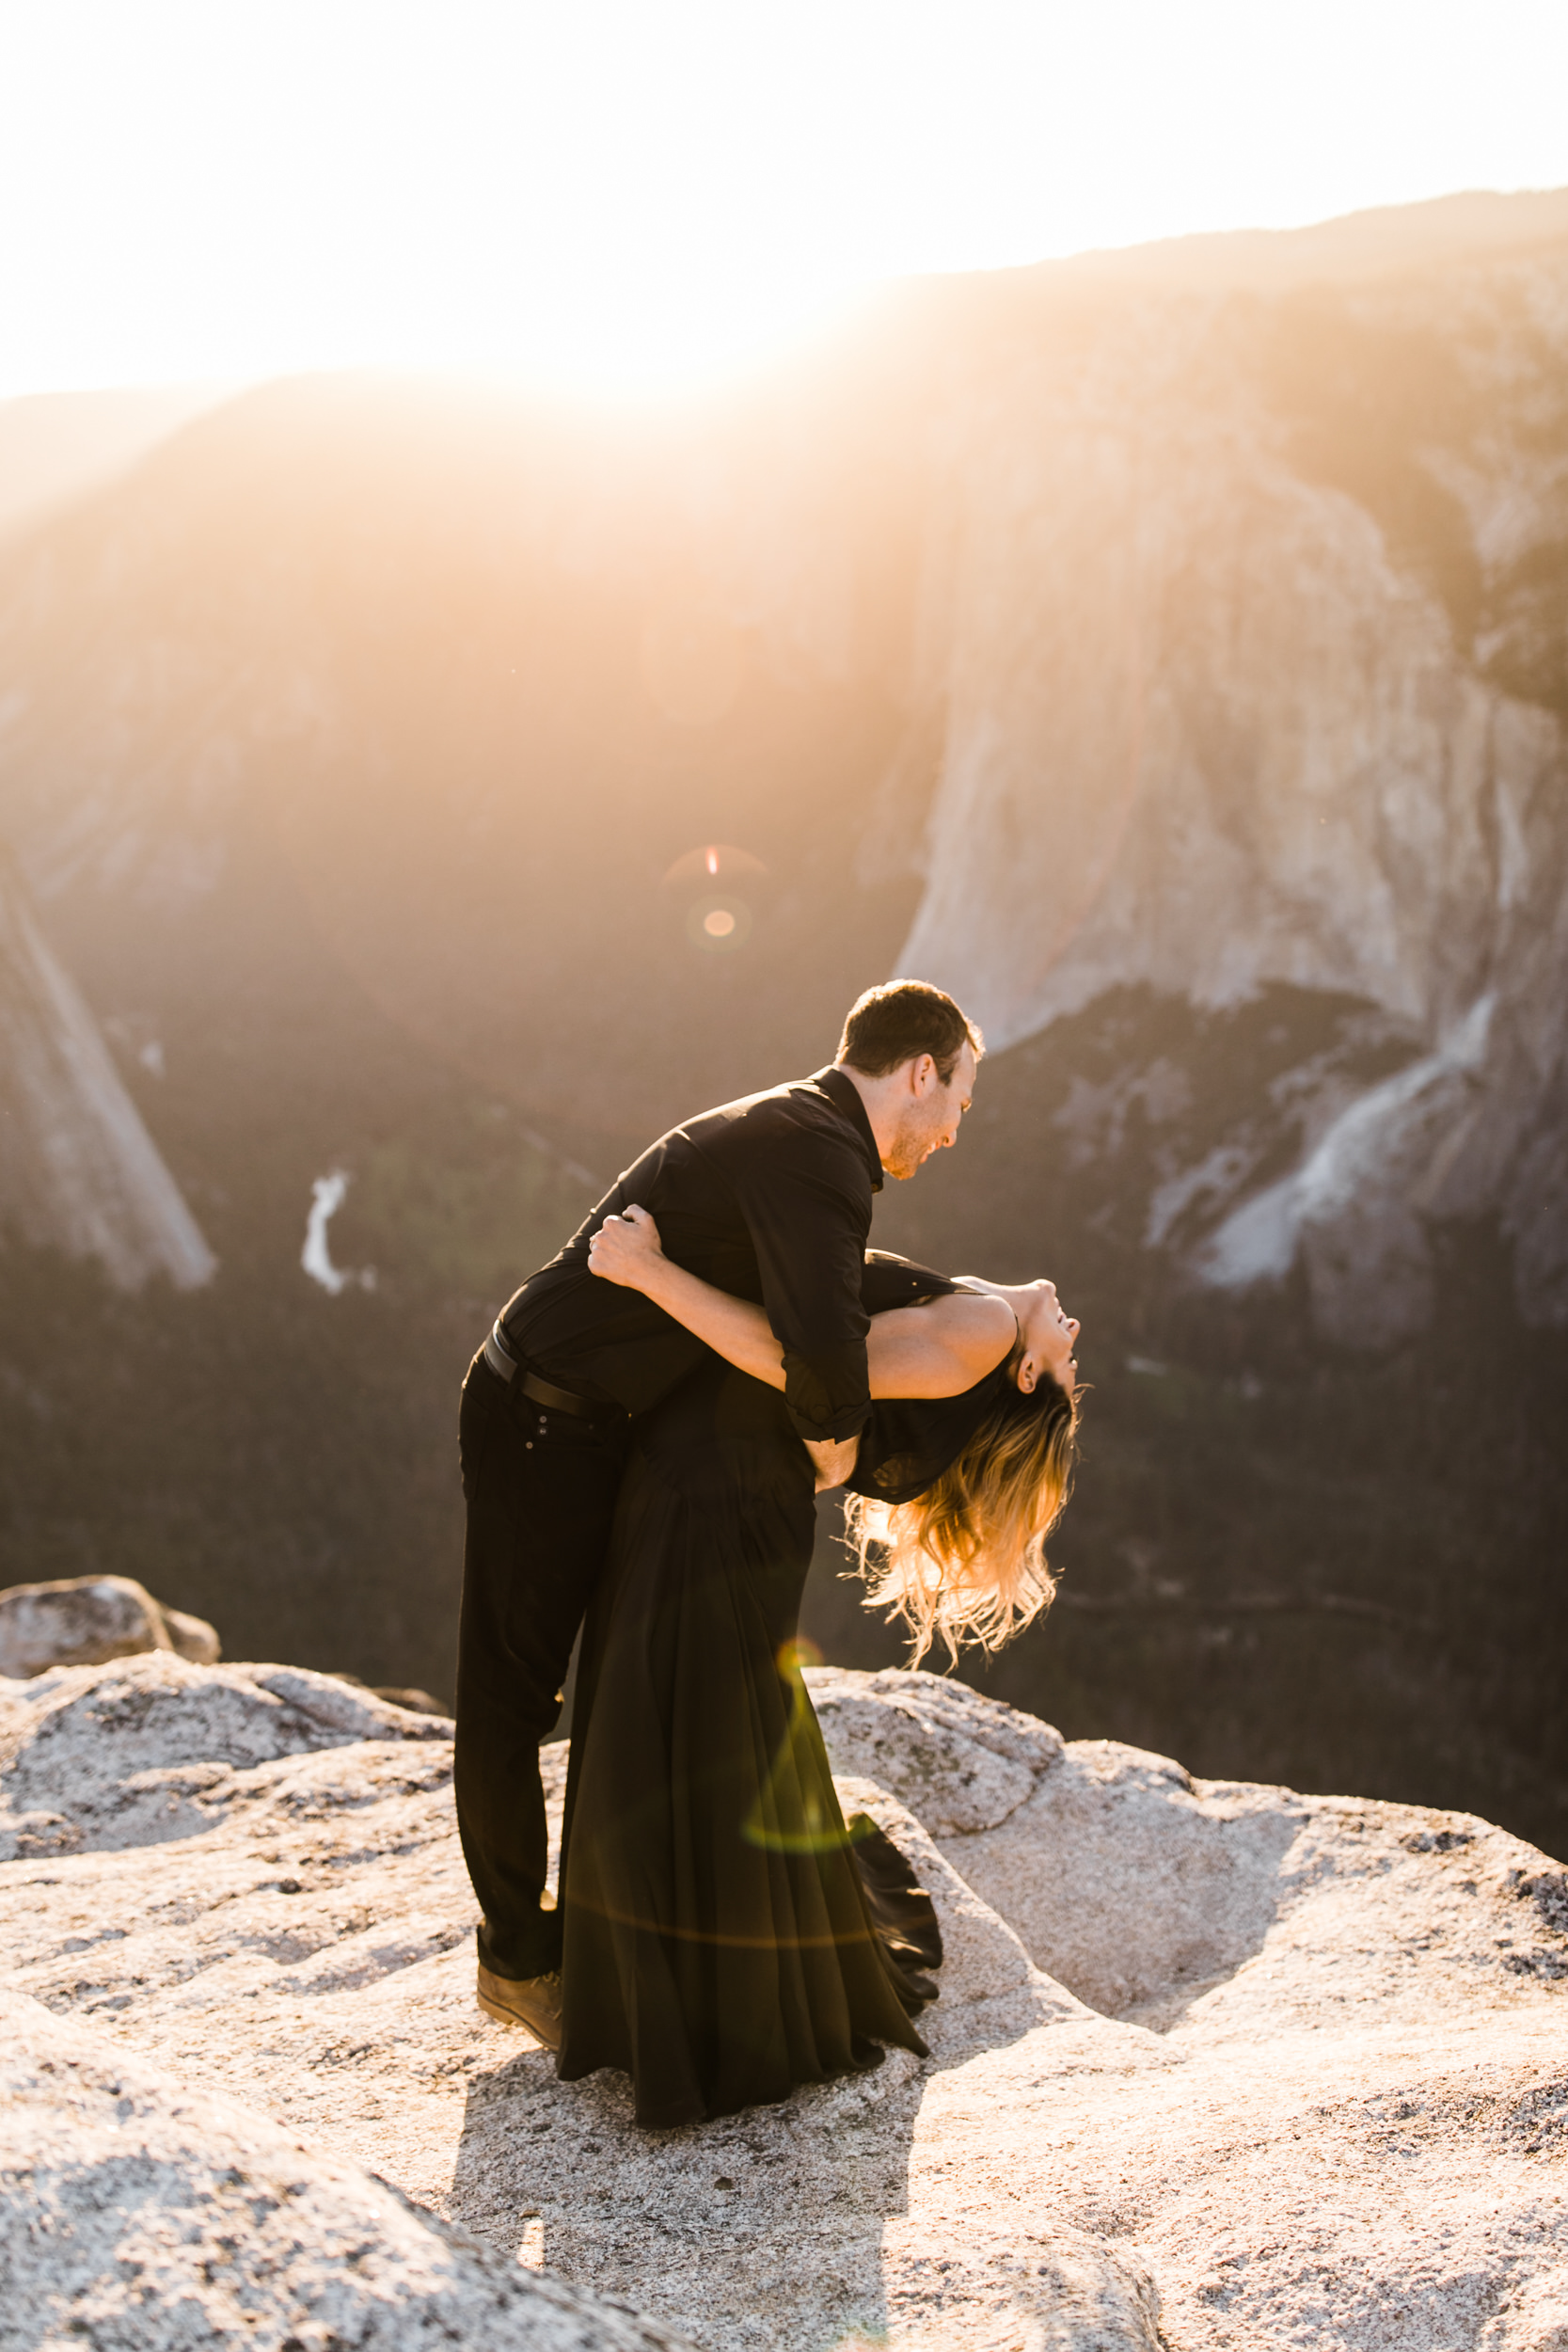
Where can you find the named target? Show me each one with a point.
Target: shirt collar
(844, 1096)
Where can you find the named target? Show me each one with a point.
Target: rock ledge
(1213, 2065)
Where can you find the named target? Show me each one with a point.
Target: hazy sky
(620, 191)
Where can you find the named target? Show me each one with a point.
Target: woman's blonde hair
(965, 1561)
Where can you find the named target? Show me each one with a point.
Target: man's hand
(834, 1459)
(625, 1249)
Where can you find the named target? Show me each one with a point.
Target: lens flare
(798, 1811)
(718, 925)
(716, 859)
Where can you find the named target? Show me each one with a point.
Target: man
(769, 1199)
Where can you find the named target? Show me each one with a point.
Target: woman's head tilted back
(965, 1561)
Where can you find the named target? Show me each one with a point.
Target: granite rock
(140, 2215)
(960, 1761)
(1213, 2065)
(84, 1620)
(80, 1171)
(149, 1748)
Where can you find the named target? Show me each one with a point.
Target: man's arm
(625, 1249)
(938, 1348)
(807, 1198)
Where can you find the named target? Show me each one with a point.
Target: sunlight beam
(623, 196)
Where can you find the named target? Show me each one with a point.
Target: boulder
(418, 1701)
(83, 1620)
(411, 1695)
(142, 1750)
(959, 1761)
(1213, 2065)
(1133, 1883)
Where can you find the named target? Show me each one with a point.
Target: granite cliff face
(78, 1170)
(1212, 2063)
(1252, 668)
(1234, 622)
(1170, 653)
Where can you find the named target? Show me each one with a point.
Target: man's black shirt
(769, 1199)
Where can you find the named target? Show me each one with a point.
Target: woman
(719, 1942)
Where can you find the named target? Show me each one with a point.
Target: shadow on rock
(765, 2227)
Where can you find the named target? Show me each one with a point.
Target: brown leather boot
(531, 2001)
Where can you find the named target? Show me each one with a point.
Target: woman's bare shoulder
(939, 1346)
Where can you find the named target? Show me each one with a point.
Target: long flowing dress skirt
(723, 1940)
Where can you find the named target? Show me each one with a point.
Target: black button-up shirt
(769, 1199)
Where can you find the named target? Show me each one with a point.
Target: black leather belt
(534, 1386)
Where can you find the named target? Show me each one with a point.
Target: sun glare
(691, 336)
(625, 198)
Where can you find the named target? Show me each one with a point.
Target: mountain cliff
(1168, 652)
(1194, 640)
(79, 1170)
(1253, 670)
(55, 447)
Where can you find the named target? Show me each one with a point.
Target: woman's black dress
(726, 1935)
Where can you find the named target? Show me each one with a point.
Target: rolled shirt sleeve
(808, 1204)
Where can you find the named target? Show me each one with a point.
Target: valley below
(1169, 654)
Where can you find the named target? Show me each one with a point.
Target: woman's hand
(625, 1249)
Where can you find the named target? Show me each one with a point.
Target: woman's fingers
(612, 1252)
(622, 1246)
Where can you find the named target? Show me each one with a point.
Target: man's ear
(921, 1071)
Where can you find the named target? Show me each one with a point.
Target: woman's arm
(625, 1249)
(937, 1349)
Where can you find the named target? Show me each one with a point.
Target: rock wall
(1211, 2064)
(1233, 689)
(78, 1170)
(1191, 636)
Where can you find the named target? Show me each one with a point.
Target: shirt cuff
(828, 1397)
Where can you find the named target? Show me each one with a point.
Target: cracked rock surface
(1214, 2064)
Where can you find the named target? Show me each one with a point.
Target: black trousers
(541, 1490)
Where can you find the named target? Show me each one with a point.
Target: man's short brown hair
(890, 1024)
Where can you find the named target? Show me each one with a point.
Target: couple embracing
(643, 1436)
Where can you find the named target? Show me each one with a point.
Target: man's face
(931, 1115)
